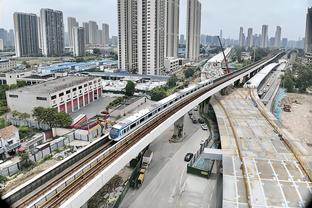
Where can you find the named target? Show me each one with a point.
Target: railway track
(26, 201)
(57, 199)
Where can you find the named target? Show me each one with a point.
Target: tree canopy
(172, 81)
(130, 88)
(51, 117)
(158, 93)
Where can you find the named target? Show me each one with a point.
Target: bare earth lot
(299, 120)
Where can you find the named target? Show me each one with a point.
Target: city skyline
(211, 10)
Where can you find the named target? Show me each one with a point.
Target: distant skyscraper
(271, 42)
(71, 23)
(308, 32)
(284, 42)
(256, 40)
(93, 32)
(11, 38)
(264, 36)
(241, 37)
(52, 30)
(278, 36)
(114, 40)
(182, 39)
(100, 37)
(105, 28)
(85, 26)
(78, 41)
(221, 34)
(193, 24)
(39, 32)
(26, 34)
(172, 28)
(141, 36)
(1, 45)
(249, 38)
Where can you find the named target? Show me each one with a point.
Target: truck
(147, 158)
(141, 177)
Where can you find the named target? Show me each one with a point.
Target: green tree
(289, 84)
(96, 51)
(130, 88)
(24, 131)
(51, 117)
(2, 123)
(158, 93)
(172, 81)
(189, 72)
(21, 83)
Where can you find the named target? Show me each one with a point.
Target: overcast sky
(227, 15)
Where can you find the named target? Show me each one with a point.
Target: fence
(28, 122)
(38, 156)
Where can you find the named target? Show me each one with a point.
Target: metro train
(131, 123)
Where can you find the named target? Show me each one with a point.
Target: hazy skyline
(227, 15)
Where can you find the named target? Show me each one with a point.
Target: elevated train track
(58, 191)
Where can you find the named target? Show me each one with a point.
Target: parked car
(201, 120)
(196, 108)
(204, 127)
(188, 157)
(190, 113)
(194, 120)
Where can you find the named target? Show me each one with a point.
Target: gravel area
(299, 120)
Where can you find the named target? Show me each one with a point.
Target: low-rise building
(172, 64)
(66, 94)
(9, 141)
(7, 64)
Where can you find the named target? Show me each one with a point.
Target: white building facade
(193, 27)
(141, 36)
(66, 94)
(78, 41)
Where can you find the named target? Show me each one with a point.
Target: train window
(132, 126)
(149, 115)
(165, 105)
(171, 102)
(177, 99)
(142, 119)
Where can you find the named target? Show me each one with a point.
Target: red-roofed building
(9, 141)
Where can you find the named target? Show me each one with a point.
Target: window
(61, 94)
(68, 91)
(13, 96)
(10, 142)
(41, 98)
(85, 85)
(80, 87)
(75, 89)
(53, 97)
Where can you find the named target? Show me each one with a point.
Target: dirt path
(299, 120)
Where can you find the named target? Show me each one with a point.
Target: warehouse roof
(54, 85)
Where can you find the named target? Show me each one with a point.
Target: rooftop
(54, 85)
(8, 132)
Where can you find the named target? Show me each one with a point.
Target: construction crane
(227, 70)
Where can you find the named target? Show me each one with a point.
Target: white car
(204, 127)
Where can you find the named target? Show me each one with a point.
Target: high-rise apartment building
(26, 34)
(193, 24)
(249, 38)
(39, 32)
(71, 23)
(182, 39)
(172, 28)
(278, 37)
(78, 41)
(308, 32)
(93, 32)
(284, 42)
(85, 26)
(52, 31)
(105, 28)
(241, 37)
(141, 36)
(264, 36)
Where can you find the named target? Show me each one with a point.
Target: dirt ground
(23, 177)
(299, 120)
